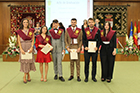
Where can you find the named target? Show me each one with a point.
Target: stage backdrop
(116, 15)
(33, 13)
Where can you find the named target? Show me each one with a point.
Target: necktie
(73, 29)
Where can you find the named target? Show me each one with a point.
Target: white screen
(65, 10)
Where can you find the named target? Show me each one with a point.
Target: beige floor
(126, 80)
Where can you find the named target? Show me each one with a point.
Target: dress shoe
(94, 79)
(71, 77)
(78, 79)
(108, 80)
(62, 79)
(55, 77)
(86, 80)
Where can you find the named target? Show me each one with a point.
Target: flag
(139, 32)
(135, 35)
(131, 35)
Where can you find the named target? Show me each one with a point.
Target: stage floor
(126, 80)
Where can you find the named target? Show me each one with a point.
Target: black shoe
(103, 79)
(78, 79)
(94, 79)
(108, 80)
(62, 79)
(71, 77)
(86, 80)
(55, 77)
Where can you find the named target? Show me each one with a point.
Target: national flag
(131, 35)
(135, 35)
(139, 32)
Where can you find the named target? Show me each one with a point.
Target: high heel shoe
(102, 79)
(29, 80)
(41, 79)
(45, 80)
(24, 81)
(108, 80)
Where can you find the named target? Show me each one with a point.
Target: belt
(73, 44)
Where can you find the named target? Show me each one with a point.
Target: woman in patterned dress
(26, 42)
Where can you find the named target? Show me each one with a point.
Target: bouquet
(130, 49)
(12, 50)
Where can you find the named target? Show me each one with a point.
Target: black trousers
(107, 61)
(87, 60)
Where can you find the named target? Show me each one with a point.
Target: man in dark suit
(91, 33)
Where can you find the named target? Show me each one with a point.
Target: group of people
(71, 38)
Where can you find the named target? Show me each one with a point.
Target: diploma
(27, 55)
(46, 48)
(73, 54)
(92, 46)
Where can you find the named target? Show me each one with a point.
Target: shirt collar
(73, 27)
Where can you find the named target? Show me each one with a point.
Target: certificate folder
(26, 55)
(73, 54)
(92, 46)
(46, 48)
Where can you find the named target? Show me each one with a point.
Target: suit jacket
(58, 44)
(96, 38)
(68, 39)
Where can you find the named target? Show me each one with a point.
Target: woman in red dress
(41, 41)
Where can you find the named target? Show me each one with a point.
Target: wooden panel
(22, 0)
(119, 57)
(94, 0)
(116, 0)
(5, 20)
(1, 38)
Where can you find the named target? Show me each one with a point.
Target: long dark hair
(21, 25)
(61, 25)
(105, 29)
(42, 28)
